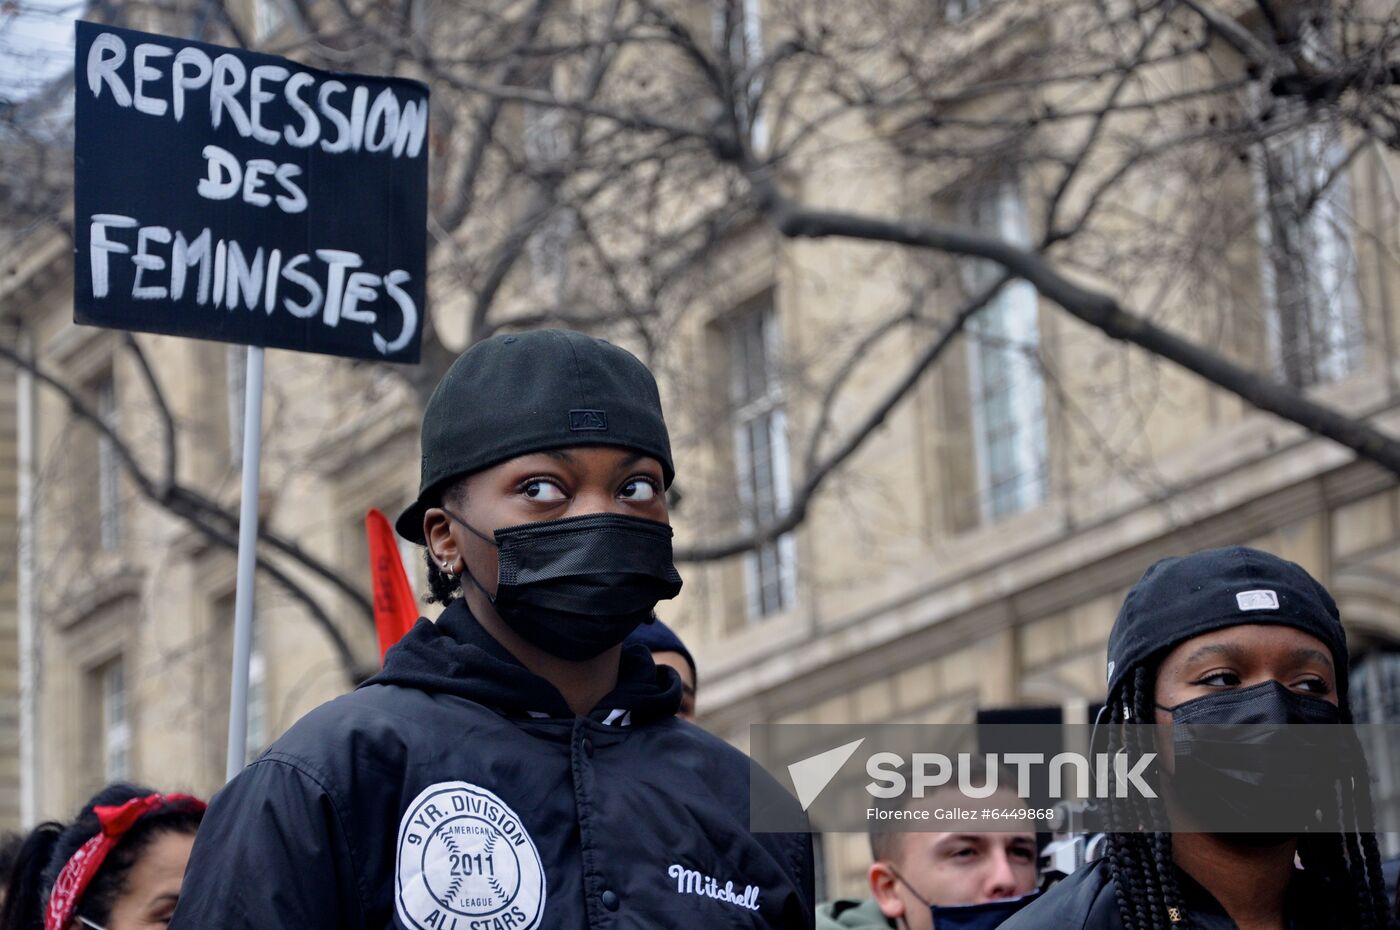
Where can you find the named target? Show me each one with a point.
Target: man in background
(919, 880)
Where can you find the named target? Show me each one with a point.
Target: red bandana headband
(115, 821)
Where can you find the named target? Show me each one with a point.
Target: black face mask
(1266, 703)
(576, 587)
(1243, 757)
(986, 916)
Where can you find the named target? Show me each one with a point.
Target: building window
(257, 697)
(546, 136)
(116, 727)
(1314, 311)
(819, 857)
(220, 681)
(236, 361)
(548, 251)
(108, 467)
(955, 10)
(738, 27)
(761, 456)
(1375, 699)
(1007, 386)
(547, 145)
(268, 16)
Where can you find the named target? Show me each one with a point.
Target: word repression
(323, 111)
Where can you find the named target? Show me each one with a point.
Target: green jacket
(852, 915)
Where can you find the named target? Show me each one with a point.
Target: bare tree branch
(1101, 119)
(203, 515)
(1097, 309)
(167, 421)
(351, 667)
(1232, 33)
(483, 127)
(665, 174)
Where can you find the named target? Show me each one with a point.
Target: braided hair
(49, 846)
(1139, 850)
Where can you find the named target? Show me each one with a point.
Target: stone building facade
(971, 555)
(9, 600)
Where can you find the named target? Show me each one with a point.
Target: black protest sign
(228, 195)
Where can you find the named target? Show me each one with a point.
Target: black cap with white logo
(1178, 598)
(530, 392)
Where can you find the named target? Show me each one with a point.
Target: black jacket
(456, 791)
(1088, 900)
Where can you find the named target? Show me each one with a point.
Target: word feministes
(230, 195)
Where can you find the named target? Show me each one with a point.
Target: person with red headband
(118, 866)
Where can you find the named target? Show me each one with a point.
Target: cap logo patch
(587, 420)
(1257, 600)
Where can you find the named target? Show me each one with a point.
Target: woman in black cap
(1231, 637)
(513, 766)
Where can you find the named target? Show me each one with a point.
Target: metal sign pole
(247, 563)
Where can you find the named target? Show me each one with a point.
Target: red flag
(394, 609)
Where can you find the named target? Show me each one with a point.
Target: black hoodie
(457, 791)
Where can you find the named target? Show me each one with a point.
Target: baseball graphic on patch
(466, 862)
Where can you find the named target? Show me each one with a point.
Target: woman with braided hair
(1234, 637)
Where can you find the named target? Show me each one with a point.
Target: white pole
(247, 563)
(28, 626)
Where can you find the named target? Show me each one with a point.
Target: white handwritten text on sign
(229, 195)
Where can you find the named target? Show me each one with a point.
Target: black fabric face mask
(1242, 757)
(576, 587)
(1266, 703)
(986, 916)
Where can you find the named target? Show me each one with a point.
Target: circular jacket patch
(466, 862)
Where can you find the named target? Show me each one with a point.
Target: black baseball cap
(658, 637)
(530, 392)
(1178, 598)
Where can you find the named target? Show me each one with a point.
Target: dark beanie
(658, 637)
(532, 392)
(1178, 598)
